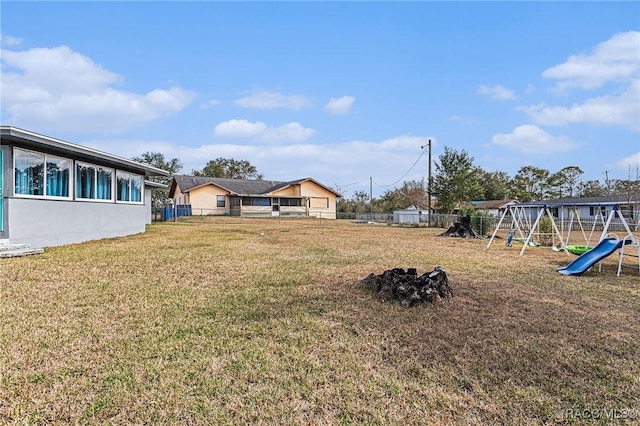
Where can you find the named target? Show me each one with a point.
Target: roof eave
(38, 139)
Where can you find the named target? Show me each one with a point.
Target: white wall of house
(47, 223)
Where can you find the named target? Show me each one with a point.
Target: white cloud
(337, 164)
(271, 100)
(58, 89)
(210, 103)
(239, 129)
(631, 163)
(57, 70)
(9, 41)
(260, 132)
(617, 59)
(496, 92)
(340, 106)
(290, 132)
(530, 139)
(622, 110)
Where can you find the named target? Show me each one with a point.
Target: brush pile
(408, 288)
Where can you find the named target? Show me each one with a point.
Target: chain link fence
(483, 224)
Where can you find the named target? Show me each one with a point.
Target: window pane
(136, 188)
(29, 172)
(57, 176)
(221, 200)
(85, 181)
(104, 183)
(122, 182)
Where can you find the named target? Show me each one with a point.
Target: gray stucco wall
(46, 223)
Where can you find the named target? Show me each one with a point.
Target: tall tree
(456, 180)
(413, 193)
(229, 168)
(390, 201)
(495, 184)
(591, 188)
(531, 183)
(564, 182)
(626, 187)
(156, 159)
(358, 203)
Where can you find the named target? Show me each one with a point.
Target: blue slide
(585, 261)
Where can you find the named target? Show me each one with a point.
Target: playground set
(525, 231)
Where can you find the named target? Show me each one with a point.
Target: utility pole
(371, 196)
(429, 182)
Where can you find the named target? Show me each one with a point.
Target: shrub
(482, 221)
(545, 229)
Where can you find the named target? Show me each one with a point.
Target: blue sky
(338, 91)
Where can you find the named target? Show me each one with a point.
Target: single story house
(628, 204)
(55, 192)
(261, 198)
(494, 207)
(590, 207)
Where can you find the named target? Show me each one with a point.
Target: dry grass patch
(265, 322)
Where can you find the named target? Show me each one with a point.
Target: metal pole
(371, 195)
(429, 186)
(429, 182)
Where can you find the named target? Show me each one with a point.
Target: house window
(256, 201)
(291, 202)
(598, 210)
(129, 187)
(93, 182)
(41, 174)
(221, 201)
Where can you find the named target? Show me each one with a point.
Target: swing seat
(578, 250)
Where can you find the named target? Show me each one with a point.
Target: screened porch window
(94, 182)
(256, 201)
(129, 187)
(291, 202)
(41, 174)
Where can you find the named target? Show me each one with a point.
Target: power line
(404, 175)
(354, 183)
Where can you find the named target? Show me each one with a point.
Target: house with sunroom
(256, 198)
(55, 192)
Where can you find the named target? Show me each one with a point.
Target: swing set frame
(521, 221)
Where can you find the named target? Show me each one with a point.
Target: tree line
(219, 168)
(456, 180)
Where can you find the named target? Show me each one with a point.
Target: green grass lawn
(265, 322)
